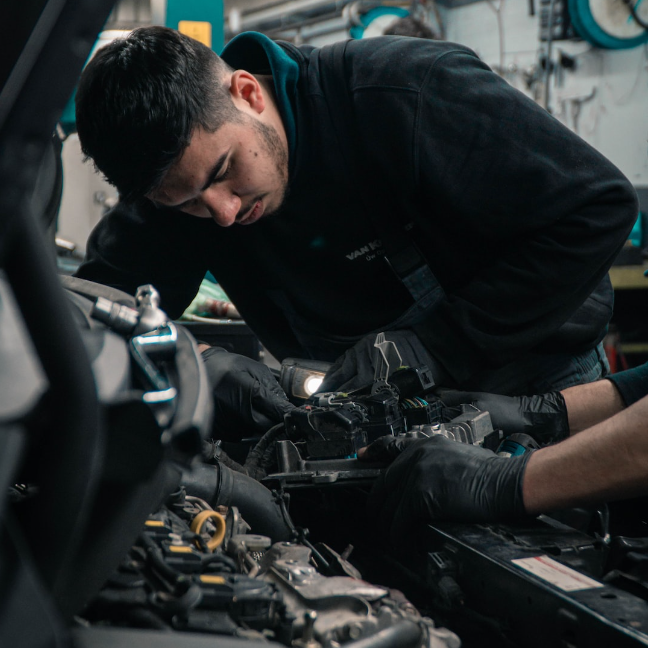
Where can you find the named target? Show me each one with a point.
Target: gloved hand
(356, 367)
(440, 479)
(542, 417)
(248, 400)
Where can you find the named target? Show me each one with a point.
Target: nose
(223, 205)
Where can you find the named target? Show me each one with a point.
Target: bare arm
(590, 404)
(609, 461)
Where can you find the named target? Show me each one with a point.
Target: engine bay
(122, 525)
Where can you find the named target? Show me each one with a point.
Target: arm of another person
(590, 404)
(437, 478)
(556, 415)
(606, 462)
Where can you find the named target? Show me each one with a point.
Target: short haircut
(139, 100)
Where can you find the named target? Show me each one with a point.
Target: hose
(221, 486)
(404, 634)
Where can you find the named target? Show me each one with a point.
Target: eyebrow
(215, 170)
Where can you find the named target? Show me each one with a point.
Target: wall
(85, 196)
(604, 99)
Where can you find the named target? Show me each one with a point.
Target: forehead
(190, 170)
(203, 148)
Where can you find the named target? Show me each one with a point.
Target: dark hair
(139, 100)
(409, 26)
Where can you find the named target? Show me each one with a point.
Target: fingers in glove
(392, 482)
(356, 368)
(453, 397)
(344, 371)
(248, 399)
(397, 498)
(211, 350)
(385, 449)
(506, 412)
(269, 403)
(437, 478)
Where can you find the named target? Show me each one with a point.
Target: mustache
(244, 211)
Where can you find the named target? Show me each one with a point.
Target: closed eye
(224, 174)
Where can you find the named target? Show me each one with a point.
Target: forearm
(588, 405)
(609, 462)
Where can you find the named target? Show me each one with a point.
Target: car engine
(122, 526)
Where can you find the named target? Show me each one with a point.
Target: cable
(198, 502)
(154, 554)
(625, 98)
(500, 31)
(254, 464)
(221, 561)
(548, 63)
(633, 12)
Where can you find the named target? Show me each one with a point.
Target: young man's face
(237, 175)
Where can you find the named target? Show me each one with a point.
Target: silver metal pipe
(290, 15)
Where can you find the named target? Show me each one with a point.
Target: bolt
(354, 630)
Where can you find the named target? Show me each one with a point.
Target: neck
(267, 82)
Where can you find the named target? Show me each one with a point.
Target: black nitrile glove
(355, 368)
(439, 479)
(542, 417)
(248, 400)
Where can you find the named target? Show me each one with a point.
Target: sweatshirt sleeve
(137, 244)
(550, 214)
(632, 383)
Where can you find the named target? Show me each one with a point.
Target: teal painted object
(68, 116)
(587, 26)
(358, 31)
(198, 11)
(636, 237)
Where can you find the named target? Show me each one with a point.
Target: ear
(246, 90)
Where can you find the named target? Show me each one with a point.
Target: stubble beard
(278, 153)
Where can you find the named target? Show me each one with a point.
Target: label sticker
(200, 31)
(566, 578)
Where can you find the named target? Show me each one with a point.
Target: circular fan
(376, 20)
(610, 23)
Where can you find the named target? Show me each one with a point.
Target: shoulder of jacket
(394, 61)
(297, 52)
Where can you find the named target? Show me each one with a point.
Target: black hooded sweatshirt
(401, 146)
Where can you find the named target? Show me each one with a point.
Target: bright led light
(312, 384)
(300, 379)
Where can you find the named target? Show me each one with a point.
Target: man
(386, 184)
(605, 458)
